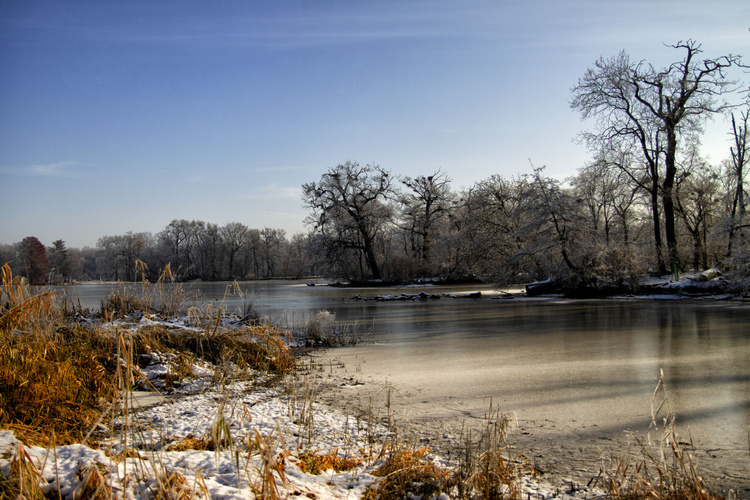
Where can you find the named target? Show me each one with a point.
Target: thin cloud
(58, 169)
(275, 192)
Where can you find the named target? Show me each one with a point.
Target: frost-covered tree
(424, 206)
(653, 108)
(350, 210)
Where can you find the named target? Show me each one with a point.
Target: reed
(20, 309)
(171, 485)
(662, 469)
(24, 478)
(94, 484)
(321, 329)
(268, 463)
(54, 382)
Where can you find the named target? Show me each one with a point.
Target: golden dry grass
(53, 383)
(24, 479)
(663, 470)
(193, 443)
(406, 473)
(171, 485)
(19, 308)
(57, 376)
(315, 463)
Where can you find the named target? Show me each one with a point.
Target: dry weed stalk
(663, 470)
(19, 308)
(315, 463)
(171, 485)
(300, 405)
(268, 462)
(93, 484)
(25, 479)
(488, 468)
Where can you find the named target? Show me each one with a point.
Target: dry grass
(57, 376)
(488, 468)
(54, 382)
(94, 484)
(407, 474)
(662, 470)
(172, 485)
(19, 308)
(165, 297)
(315, 463)
(192, 443)
(24, 479)
(268, 464)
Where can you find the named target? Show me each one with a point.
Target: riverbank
(193, 428)
(131, 403)
(222, 432)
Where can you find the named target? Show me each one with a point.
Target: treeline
(193, 249)
(367, 223)
(647, 202)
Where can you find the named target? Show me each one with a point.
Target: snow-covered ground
(271, 423)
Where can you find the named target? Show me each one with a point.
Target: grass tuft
(93, 484)
(315, 463)
(24, 480)
(21, 310)
(662, 470)
(407, 474)
(171, 485)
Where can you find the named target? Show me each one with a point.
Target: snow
(271, 423)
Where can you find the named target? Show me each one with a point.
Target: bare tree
(654, 108)
(698, 202)
(349, 208)
(740, 155)
(234, 236)
(272, 243)
(424, 205)
(608, 196)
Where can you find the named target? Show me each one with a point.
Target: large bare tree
(424, 205)
(740, 156)
(350, 209)
(654, 108)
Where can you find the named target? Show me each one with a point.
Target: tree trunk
(661, 265)
(668, 199)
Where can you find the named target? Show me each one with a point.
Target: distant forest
(646, 203)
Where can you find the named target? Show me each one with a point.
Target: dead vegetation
(57, 375)
(318, 463)
(662, 469)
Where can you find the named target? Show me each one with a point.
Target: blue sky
(121, 116)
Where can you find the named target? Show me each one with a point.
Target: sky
(122, 116)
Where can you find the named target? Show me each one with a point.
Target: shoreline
(570, 457)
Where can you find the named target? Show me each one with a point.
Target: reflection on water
(588, 366)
